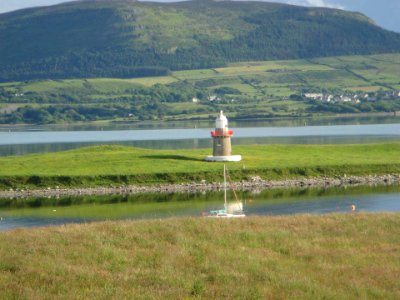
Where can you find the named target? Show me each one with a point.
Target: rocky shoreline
(255, 183)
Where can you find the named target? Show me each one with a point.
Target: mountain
(124, 38)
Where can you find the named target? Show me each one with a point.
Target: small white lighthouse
(222, 149)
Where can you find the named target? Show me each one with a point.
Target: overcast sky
(386, 13)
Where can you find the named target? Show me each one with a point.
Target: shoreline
(325, 115)
(256, 183)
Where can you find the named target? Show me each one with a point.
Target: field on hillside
(297, 257)
(370, 72)
(250, 89)
(104, 165)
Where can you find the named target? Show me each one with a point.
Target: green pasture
(195, 74)
(52, 85)
(187, 107)
(149, 81)
(110, 85)
(378, 71)
(101, 165)
(384, 66)
(366, 89)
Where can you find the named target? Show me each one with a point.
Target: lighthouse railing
(216, 133)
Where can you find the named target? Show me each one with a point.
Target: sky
(385, 13)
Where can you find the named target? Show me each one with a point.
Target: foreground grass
(102, 165)
(334, 256)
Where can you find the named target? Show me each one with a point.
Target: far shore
(175, 120)
(256, 183)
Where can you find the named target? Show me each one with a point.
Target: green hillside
(262, 89)
(128, 38)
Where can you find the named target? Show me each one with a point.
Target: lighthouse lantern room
(222, 148)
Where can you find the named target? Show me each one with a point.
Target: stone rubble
(255, 183)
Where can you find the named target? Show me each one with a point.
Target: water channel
(30, 212)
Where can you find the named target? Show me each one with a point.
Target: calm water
(16, 213)
(324, 121)
(39, 139)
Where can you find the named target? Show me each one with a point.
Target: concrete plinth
(224, 158)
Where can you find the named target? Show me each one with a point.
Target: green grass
(185, 107)
(103, 165)
(366, 89)
(53, 85)
(296, 257)
(149, 81)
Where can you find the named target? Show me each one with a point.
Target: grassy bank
(335, 256)
(105, 165)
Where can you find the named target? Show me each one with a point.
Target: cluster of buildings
(212, 98)
(354, 97)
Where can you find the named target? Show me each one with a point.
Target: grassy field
(297, 257)
(378, 71)
(103, 165)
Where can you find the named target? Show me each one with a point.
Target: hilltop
(85, 39)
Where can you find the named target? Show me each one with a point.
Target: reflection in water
(296, 122)
(54, 211)
(51, 138)
(193, 143)
(7, 150)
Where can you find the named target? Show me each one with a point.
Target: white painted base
(224, 158)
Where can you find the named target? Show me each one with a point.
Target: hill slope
(126, 38)
(262, 89)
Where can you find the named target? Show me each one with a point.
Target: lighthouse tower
(222, 148)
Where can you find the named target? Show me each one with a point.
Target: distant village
(354, 97)
(348, 97)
